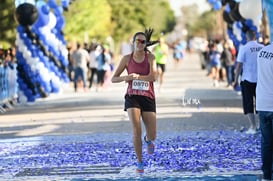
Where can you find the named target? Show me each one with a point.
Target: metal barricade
(8, 86)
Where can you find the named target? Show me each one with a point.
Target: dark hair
(251, 34)
(102, 54)
(138, 33)
(148, 34)
(78, 45)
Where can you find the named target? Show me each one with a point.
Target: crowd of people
(90, 66)
(219, 60)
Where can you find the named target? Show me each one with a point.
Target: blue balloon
(43, 18)
(31, 98)
(65, 3)
(254, 28)
(217, 5)
(20, 29)
(52, 4)
(239, 24)
(40, 3)
(212, 1)
(58, 11)
(47, 87)
(54, 87)
(60, 23)
(249, 22)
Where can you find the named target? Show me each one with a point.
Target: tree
(128, 17)
(7, 23)
(136, 15)
(204, 24)
(88, 19)
(162, 17)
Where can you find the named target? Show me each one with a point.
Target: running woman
(140, 96)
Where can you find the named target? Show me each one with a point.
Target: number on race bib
(140, 85)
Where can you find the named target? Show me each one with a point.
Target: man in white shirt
(264, 105)
(247, 62)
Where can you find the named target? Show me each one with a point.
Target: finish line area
(199, 155)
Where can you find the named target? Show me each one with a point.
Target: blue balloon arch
(42, 55)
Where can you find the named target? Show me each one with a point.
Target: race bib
(140, 85)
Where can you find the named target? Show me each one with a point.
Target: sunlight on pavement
(38, 130)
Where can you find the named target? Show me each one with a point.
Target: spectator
(93, 65)
(215, 64)
(103, 60)
(80, 58)
(247, 61)
(264, 104)
(227, 61)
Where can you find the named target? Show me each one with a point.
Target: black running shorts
(145, 104)
(161, 66)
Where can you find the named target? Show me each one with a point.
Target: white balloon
(237, 32)
(52, 20)
(250, 9)
(22, 97)
(26, 54)
(33, 68)
(40, 65)
(30, 61)
(20, 47)
(257, 21)
(44, 74)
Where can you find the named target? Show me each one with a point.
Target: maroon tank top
(139, 87)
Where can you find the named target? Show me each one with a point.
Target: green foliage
(199, 24)
(128, 17)
(162, 17)
(88, 19)
(7, 23)
(131, 16)
(205, 23)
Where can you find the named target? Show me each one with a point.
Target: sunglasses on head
(141, 41)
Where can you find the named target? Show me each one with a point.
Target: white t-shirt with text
(264, 89)
(247, 55)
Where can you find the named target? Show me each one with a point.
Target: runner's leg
(134, 116)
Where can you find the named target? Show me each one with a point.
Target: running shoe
(140, 167)
(150, 146)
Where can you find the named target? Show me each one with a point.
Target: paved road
(188, 101)
(75, 136)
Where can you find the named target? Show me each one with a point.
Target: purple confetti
(191, 152)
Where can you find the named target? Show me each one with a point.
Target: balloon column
(240, 15)
(42, 56)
